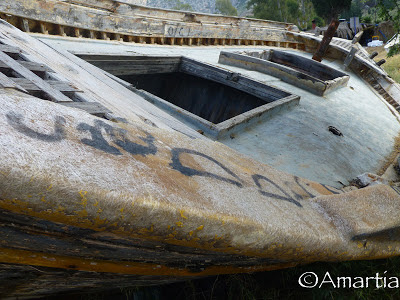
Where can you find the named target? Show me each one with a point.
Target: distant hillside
(205, 6)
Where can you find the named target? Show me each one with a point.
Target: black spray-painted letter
(98, 140)
(177, 165)
(16, 121)
(286, 197)
(133, 148)
(118, 137)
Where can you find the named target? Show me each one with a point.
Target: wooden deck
(136, 197)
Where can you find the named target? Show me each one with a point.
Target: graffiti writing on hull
(114, 141)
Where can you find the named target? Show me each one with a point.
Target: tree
(277, 10)
(330, 9)
(179, 5)
(354, 11)
(225, 7)
(299, 12)
(390, 11)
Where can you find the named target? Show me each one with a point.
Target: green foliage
(367, 19)
(264, 9)
(179, 5)
(319, 21)
(292, 8)
(394, 50)
(330, 9)
(299, 12)
(355, 10)
(389, 10)
(225, 7)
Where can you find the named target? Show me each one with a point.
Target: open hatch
(212, 100)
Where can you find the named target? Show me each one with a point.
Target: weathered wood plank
(350, 56)
(237, 81)
(131, 67)
(357, 37)
(61, 86)
(14, 52)
(54, 94)
(25, 25)
(35, 67)
(328, 35)
(93, 108)
(124, 7)
(6, 82)
(121, 100)
(130, 23)
(108, 57)
(299, 71)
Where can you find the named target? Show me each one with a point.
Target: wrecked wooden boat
(134, 162)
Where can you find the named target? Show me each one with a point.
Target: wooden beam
(61, 30)
(92, 34)
(35, 67)
(25, 25)
(61, 86)
(54, 94)
(357, 37)
(14, 52)
(77, 32)
(43, 28)
(104, 36)
(93, 108)
(324, 45)
(350, 56)
(6, 82)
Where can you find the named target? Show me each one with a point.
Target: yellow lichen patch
(320, 188)
(84, 200)
(179, 224)
(145, 230)
(82, 213)
(82, 220)
(98, 221)
(181, 212)
(217, 238)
